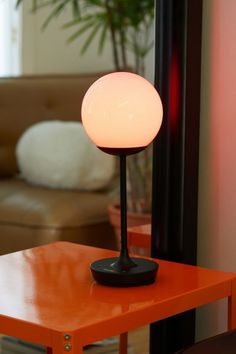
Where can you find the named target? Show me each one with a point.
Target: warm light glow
(122, 110)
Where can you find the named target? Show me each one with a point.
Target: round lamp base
(143, 273)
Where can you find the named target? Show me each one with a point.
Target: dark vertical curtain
(175, 153)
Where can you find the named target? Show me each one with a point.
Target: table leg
(123, 344)
(232, 307)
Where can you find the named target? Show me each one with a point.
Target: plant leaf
(80, 31)
(102, 38)
(55, 13)
(89, 39)
(79, 20)
(18, 2)
(76, 8)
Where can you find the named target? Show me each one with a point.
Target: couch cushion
(17, 237)
(59, 154)
(22, 204)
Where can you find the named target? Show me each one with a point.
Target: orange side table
(47, 296)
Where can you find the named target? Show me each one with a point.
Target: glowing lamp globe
(122, 110)
(122, 114)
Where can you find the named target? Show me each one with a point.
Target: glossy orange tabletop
(48, 291)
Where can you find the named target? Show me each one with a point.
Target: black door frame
(178, 25)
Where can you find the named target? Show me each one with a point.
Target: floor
(139, 340)
(138, 344)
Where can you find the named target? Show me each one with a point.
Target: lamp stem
(123, 204)
(123, 270)
(124, 261)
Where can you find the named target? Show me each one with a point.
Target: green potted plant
(127, 24)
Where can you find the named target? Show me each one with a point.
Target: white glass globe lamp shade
(122, 110)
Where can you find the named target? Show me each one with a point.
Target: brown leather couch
(30, 215)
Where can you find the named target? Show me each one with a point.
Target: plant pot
(133, 219)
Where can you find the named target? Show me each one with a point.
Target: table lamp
(122, 113)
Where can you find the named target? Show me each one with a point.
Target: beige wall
(47, 51)
(217, 175)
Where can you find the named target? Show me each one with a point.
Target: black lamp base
(105, 273)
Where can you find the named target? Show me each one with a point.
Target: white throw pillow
(59, 154)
